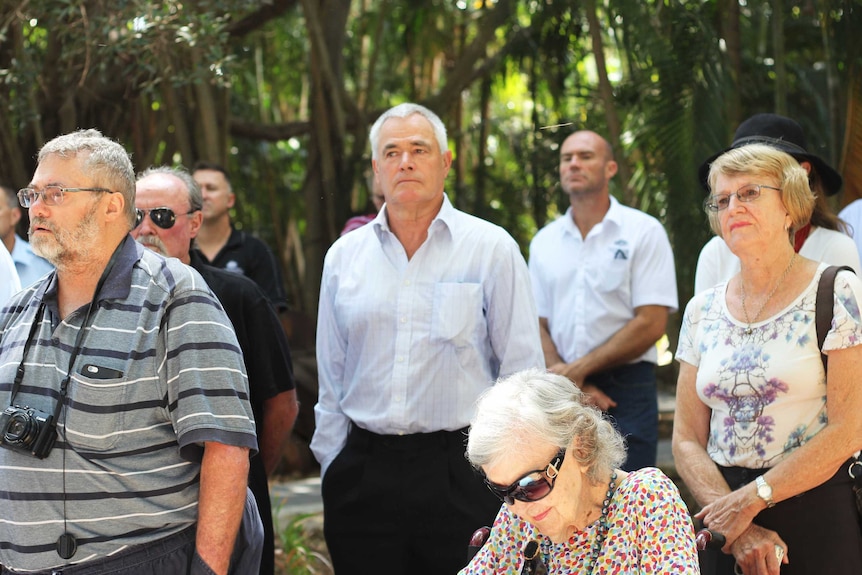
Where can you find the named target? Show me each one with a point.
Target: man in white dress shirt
(29, 266)
(9, 282)
(604, 283)
(420, 310)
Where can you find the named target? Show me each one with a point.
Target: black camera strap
(67, 544)
(64, 385)
(19, 374)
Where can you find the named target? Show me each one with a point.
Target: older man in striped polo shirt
(126, 423)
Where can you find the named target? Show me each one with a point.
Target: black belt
(409, 441)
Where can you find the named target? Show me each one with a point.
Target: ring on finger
(779, 552)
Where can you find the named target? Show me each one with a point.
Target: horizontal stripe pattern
(127, 455)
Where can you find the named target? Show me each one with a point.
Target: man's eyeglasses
(533, 486)
(747, 193)
(165, 218)
(51, 195)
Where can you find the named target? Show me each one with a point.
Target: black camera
(28, 429)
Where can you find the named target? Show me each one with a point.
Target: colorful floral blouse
(649, 531)
(766, 389)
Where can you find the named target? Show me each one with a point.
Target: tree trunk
(325, 188)
(606, 93)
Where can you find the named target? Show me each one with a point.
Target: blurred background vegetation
(283, 92)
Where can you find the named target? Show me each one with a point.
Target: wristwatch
(764, 491)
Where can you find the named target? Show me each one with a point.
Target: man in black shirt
(168, 204)
(227, 248)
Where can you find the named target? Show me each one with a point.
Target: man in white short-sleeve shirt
(604, 282)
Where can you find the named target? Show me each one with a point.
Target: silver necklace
(768, 298)
(602, 532)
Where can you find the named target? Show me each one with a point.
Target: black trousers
(821, 528)
(403, 504)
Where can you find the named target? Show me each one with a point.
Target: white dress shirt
(852, 215)
(406, 346)
(588, 288)
(716, 263)
(31, 268)
(9, 282)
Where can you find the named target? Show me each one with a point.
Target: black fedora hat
(782, 133)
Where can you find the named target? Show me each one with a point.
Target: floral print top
(766, 389)
(649, 531)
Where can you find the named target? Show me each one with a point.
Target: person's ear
(116, 205)
(196, 219)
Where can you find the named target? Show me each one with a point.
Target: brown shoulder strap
(823, 310)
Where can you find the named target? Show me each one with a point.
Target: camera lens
(20, 429)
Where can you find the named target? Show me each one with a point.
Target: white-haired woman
(555, 461)
(761, 433)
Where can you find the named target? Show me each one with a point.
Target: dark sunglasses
(532, 486)
(165, 218)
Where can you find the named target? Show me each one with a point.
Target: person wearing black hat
(825, 238)
(763, 434)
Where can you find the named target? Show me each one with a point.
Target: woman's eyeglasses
(747, 193)
(165, 218)
(533, 486)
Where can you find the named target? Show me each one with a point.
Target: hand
(731, 514)
(597, 397)
(755, 551)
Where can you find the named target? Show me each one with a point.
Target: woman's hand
(756, 551)
(731, 514)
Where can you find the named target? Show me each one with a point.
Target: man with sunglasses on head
(126, 426)
(168, 208)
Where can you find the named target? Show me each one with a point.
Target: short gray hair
(195, 196)
(405, 111)
(536, 405)
(765, 161)
(104, 160)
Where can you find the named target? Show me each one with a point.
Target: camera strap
(19, 374)
(64, 385)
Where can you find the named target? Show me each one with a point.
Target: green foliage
(299, 554)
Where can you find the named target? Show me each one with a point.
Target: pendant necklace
(768, 298)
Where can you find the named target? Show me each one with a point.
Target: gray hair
(195, 196)
(535, 405)
(760, 160)
(404, 111)
(103, 159)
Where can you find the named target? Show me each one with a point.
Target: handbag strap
(824, 307)
(823, 314)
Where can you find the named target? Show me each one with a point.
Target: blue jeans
(633, 387)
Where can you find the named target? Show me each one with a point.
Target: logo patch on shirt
(232, 266)
(621, 250)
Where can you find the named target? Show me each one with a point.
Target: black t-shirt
(247, 255)
(258, 330)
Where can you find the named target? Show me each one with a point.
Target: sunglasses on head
(165, 218)
(532, 486)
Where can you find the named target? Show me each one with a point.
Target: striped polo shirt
(126, 466)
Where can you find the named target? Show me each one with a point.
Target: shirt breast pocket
(457, 313)
(95, 415)
(612, 276)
